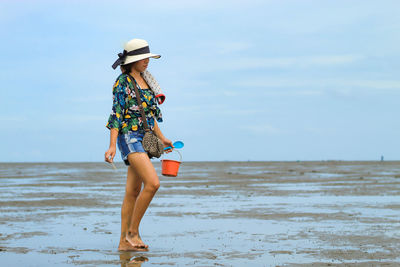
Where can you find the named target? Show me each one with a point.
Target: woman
(126, 129)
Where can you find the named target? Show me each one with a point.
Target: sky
(244, 80)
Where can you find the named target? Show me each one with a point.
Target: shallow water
(212, 214)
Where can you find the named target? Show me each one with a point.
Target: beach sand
(329, 213)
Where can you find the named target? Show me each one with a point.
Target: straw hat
(134, 50)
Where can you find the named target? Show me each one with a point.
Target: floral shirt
(125, 114)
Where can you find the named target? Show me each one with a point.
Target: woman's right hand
(110, 154)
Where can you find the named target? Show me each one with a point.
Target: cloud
(345, 84)
(375, 84)
(92, 98)
(76, 118)
(226, 47)
(202, 4)
(246, 63)
(328, 60)
(261, 128)
(13, 118)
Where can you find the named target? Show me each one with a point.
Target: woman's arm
(115, 120)
(160, 135)
(110, 153)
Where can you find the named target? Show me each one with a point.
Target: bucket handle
(180, 155)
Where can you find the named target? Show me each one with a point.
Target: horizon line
(199, 161)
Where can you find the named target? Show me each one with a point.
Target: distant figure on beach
(127, 130)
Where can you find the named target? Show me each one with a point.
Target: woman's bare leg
(142, 167)
(132, 190)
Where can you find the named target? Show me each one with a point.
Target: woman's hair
(125, 69)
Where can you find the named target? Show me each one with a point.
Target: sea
(317, 213)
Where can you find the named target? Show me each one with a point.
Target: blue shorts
(130, 143)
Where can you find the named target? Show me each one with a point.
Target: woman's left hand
(167, 143)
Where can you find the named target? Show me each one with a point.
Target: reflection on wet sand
(215, 213)
(129, 260)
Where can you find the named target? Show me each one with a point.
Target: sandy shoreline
(213, 214)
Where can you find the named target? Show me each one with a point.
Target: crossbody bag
(151, 143)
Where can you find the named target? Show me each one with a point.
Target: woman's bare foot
(135, 240)
(124, 245)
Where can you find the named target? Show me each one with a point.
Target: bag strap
(139, 101)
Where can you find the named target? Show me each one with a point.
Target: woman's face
(141, 65)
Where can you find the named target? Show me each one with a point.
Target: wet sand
(213, 214)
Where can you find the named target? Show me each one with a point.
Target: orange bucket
(170, 167)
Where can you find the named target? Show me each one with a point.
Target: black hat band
(122, 56)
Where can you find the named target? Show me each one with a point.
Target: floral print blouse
(125, 114)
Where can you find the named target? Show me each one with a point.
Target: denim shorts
(130, 142)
